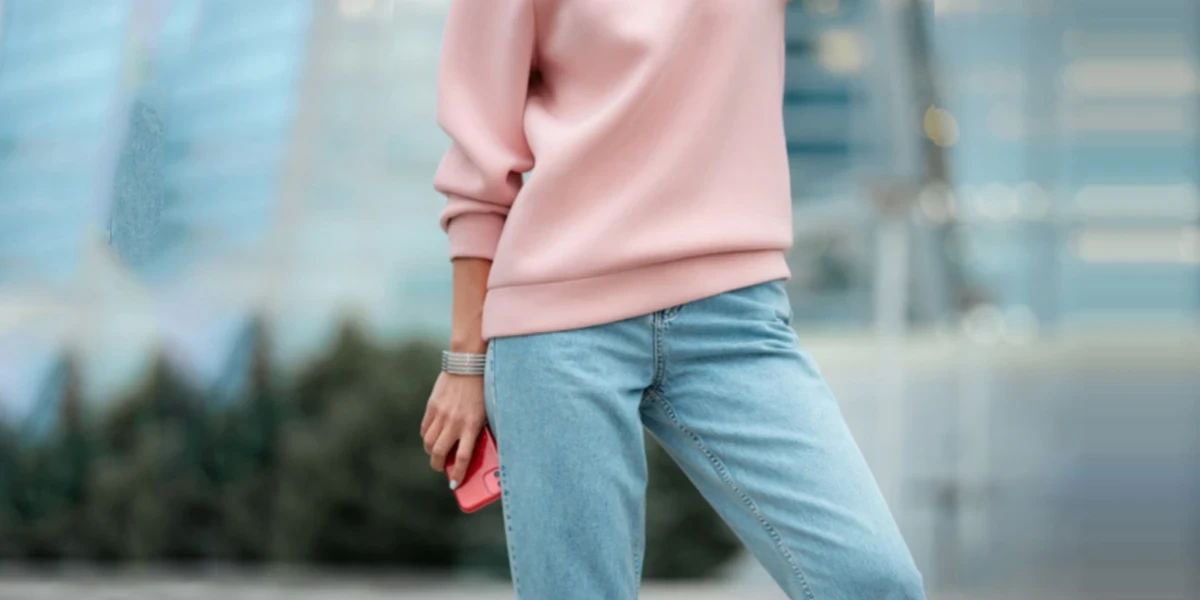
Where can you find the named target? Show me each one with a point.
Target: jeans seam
(748, 503)
(659, 351)
(669, 314)
(637, 568)
(640, 547)
(504, 489)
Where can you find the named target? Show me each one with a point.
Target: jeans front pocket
(780, 301)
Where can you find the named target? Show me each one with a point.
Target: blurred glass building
(1068, 136)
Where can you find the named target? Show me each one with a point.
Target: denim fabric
(723, 385)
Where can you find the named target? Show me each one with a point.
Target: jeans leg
(564, 409)
(750, 420)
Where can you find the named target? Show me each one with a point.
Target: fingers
(427, 420)
(466, 447)
(442, 448)
(431, 410)
(453, 417)
(431, 433)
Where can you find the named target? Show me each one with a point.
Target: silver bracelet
(462, 363)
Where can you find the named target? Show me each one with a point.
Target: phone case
(481, 485)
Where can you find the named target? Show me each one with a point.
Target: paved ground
(312, 588)
(26, 587)
(201, 591)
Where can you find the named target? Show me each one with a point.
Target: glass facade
(281, 151)
(1076, 162)
(209, 133)
(1070, 145)
(62, 76)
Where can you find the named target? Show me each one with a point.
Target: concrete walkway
(87, 587)
(107, 587)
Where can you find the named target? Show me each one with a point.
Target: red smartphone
(481, 485)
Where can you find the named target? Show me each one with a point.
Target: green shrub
(325, 469)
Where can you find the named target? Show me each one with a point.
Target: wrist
(468, 344)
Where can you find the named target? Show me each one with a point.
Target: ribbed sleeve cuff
(474, 235)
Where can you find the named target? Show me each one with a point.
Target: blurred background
(223, 292)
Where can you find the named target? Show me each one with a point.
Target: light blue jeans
(722, 384)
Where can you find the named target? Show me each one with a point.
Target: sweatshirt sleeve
(483, 81)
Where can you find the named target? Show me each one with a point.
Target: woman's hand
(455, 415)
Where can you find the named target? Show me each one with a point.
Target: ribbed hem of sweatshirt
(578, 303)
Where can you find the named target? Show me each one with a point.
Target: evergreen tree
(326, 469)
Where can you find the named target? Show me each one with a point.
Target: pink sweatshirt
(649, 138)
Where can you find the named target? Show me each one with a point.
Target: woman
(618, 210)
